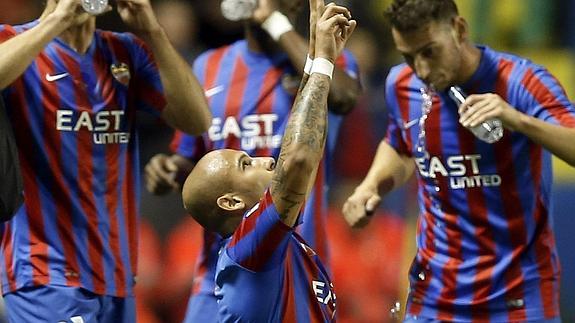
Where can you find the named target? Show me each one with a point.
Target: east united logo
(121, 73)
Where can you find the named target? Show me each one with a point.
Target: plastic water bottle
(490, 130)
(236, 10)
(95, 7)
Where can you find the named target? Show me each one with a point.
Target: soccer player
(72, 93)
(266, 272)
(485, 244)
(251, 86)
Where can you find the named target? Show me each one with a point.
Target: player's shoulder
(399, 74)
(17, 29)
(518, 62)
(234, 48)
(121, 37)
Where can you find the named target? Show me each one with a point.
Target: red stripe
(511, 204)
(266, 101)
(320, 245)
(312, 272)
(176, 140)
(213, 66)
(433, 146)
(26, 149)
(484, 237)
(53, 146)
(112, 173)
(247, 226)
(265, 250)
(289, 308)
(86, 178)
(402, 95)
(7, 33)
(128, 190)
(129, 206)
(341, 62)
(546, 98)
(235, 98)
(544, 244)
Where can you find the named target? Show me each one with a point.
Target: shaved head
(223, 185)
(206, 183)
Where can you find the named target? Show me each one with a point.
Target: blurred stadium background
(369, 265)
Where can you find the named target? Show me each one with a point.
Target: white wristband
(276, 25)
(308, 65)
(322, 66)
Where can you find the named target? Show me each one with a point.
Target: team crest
(290, 83)
(121, 73)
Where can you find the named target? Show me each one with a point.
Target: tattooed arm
(304, 138)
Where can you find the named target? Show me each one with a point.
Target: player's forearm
(344, 90)
(556, 139)
(187, 108)
(389, 170)
(302, 148)
(17, 53)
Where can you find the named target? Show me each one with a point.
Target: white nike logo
(213, 91)
(409, 124)
(52, 78)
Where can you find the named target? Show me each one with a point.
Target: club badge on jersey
(121, 73)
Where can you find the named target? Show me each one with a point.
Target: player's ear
(230, 202)
(461, 28)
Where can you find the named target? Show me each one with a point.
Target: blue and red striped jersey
(485, 243)
(267, 273)
(250, 96)
(74, 121)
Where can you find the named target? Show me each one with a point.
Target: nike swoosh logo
(213, 91)
(53, 78)
(409, 124)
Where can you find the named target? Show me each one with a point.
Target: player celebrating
(266, 272)
(72, 93)
(251, 86)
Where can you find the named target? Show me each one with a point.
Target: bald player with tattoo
(266, 272)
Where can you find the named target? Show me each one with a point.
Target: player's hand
(71, 12)
(138, 15)
(360, 206)
(334, 27)
(264, 10)
(478, 108)
(162, 173)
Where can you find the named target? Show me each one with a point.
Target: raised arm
(18, 52)
(187, 107)
(304, 138)
(344, 90)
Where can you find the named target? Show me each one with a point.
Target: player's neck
(258, 41)
(471, 56)
(80, 37)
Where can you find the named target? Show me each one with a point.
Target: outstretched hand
(330, 28)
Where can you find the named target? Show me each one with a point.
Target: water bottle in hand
(490, 130)
(236, 10)
(95, 7)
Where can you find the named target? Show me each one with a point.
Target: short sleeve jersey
(74, 121)
(485, 243)
(267, 273)
(251, 96)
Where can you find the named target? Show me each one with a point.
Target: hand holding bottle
(490, 130)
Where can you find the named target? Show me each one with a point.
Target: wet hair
(411, 15)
